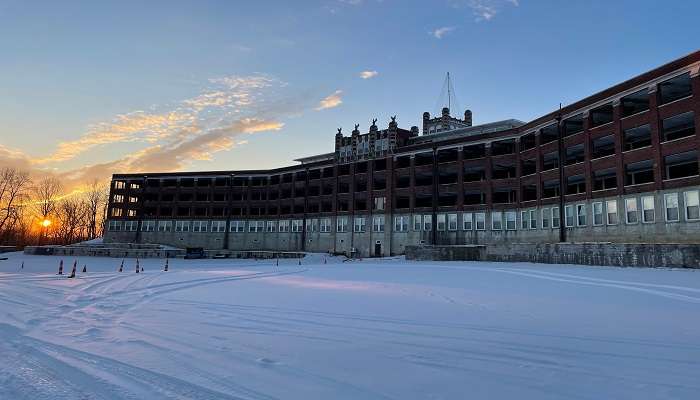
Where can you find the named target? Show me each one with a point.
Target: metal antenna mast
(449, 91)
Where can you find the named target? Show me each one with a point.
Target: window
(527, 141)
(237, 226)
(118, 198)
(342, 224)
(597, 213)
(648, 214)
(325, 225)
(131, 225)
(573, 125)
(550, 161)
(581, 214)
(284, 226)
(427, 222)
(603, 146)
(511, 220)
(611, 210)
(575, 184)
(636, 138)
(681, 165)
(165, 226)
(182, 226)
(114, 226)
(378, 223)
(545, 218)
(550, 188)
(271, 227)
(218, 226)
(496, 220)
(569, 216)
(549, 134)
(474, 174)
(297, 225)
(605, 179)
(602, 115)
(503, 147)
(528, 167)
(119, 184)
(631, 211)
(379, 203)
(134, 186)
(678, 126)
(480, 221)
(417, 223)
(200, 226)
(312, 225)
(441, 222)
(533, 219)
(474, 151)
(117, 212)
(555, 217)
(467, 221)
(635, 103)
(359, 224)
(675, 88)
(639, 172)
(529, 192)
(451, 222)
(671, 203)
(524, 219)
(474, 197)
(692, 205)
(130, 213)
(401, 223)
(574, 154)
(503, 171)
(502, 196)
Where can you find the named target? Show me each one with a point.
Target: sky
(90, 88)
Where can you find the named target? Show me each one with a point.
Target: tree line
(41, 211)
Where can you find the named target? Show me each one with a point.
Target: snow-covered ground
(387, 329)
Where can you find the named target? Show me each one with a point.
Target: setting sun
(45, 223)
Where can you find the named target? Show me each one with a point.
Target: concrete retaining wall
(612, 254)
(138, 252)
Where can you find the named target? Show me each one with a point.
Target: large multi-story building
(618, 166)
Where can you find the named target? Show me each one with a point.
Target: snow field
(375, 329)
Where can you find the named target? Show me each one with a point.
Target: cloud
(484, 10)
(331, 101)
(226, 112)
(227, 96)
(368, 74)
(440, 32)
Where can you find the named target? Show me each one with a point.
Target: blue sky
(90, 88)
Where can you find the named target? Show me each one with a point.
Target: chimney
(468, 117)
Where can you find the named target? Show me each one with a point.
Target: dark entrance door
(377, 249)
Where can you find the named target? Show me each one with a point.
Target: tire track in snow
(602, 283)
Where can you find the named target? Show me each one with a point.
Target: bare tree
(13, 190)
(73, 216)
(96, 197)
(46, 194)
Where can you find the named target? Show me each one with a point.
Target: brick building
(618, 166)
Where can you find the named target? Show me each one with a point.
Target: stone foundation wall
(611, 254)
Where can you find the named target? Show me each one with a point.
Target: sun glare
(45, 223)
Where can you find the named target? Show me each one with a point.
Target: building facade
(618, 166)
